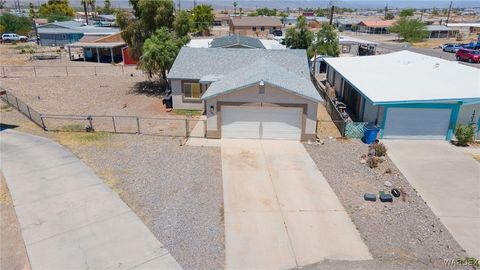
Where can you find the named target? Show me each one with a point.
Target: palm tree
(235, 8)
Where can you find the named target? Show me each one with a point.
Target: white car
(9, 37)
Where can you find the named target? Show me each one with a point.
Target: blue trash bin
(370, 134)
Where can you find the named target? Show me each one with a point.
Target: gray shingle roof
(194, 63)
(269, 73)
(236, 40)
(74, 27)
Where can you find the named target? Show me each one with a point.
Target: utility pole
(179, 6)
(85, 10)
(386, 11)
(421, 16)
(194, 3)
(332, 10)
(449, 10)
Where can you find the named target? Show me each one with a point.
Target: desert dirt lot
(404, 234)
(175, 190)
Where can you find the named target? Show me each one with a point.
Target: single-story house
(408, 95)
(236, 41)
(63, 33)
(465, 27)
(441, 31)
(250, 93)
(254, 26)
(221, 20)
(107, 49)
(375, 27)
(347, 24)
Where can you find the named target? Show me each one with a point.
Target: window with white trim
(192, 90)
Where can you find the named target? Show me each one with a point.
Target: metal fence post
(90, 122)
(29, 114)
(114, 127)
(138, 125)
(95, 70)
(205, 128)
(186, 128)
(66, 70)
(4, 73)
(16, 100)
(43, 123)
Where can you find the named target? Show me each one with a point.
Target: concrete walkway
(69, 218)
(448, 180)
(280, 211)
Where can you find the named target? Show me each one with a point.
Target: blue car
(471, 46)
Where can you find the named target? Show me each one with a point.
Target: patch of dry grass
(73, 139)
(6, 108)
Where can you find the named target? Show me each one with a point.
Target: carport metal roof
(408, 77)
(102, 45)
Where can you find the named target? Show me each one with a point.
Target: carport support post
(111, 54)
(98, 56)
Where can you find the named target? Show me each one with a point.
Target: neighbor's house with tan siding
(254, 26)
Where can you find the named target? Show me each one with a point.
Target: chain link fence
(172, 127)
(348, 129)
(65, 71)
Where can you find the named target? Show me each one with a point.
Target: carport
(105, 52)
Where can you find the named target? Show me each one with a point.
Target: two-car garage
(261, 122)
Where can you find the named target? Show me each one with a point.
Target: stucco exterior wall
(177, 98)
(371, 112)
(465, 114)
(272, 95)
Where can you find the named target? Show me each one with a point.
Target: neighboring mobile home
(247, 93)
(408, 95)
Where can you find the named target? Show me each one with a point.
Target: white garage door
(417, 123)
(261, 122)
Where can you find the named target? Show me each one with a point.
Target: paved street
(280, 212)
(69, 218)
(448, 180)
(388, 47)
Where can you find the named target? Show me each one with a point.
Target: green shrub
(465, 134)
(380, 149)
(23, 51)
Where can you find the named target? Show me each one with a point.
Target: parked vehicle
(453, 48)
(471, 56)
(277, 33)
(472, 45)
(11, 37)
(447, 44)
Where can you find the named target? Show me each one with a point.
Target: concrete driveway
(69, 218)
(280, 211)
(448, 180)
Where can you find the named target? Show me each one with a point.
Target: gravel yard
(400, 235)
(176, 190)
(85, 95)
